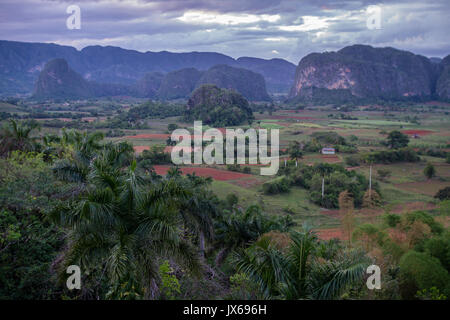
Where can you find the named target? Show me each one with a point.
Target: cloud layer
(286, 29)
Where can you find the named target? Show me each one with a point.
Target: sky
(288, 29)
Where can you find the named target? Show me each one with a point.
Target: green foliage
(240, 227)
(397, 140)
(118, 213)
(243, 288)
(155, 155)
(28, 242)
(383, 174)
(392, 156)
(276, 186)
(439, 247)
(295, 150)
(391, 220)
(419, 271)
(152, 109)
(425, 218)
(443, 194)
(17, 136)
(170, 286)
(302, 270)
(218, 107)
(231, 200)
(430, 294)
(329, 137)
(429, 171)
(172, 126)
(337, 179)
(353, 160)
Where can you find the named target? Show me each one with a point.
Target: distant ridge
(21, 62)
(57, 80)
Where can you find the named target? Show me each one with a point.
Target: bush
(172, 126)
(429, 171)
(247, 170)
(392, 220)
(278, 185)
(383, 174)
(353, 160)
(231, 200)
(392, 156)
(419, 271)
(425, 218)
(439, 247)
(443, 194)
(155, 155)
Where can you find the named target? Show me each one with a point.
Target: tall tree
(17, 136)
(397, 139)
(346, 207)
(429, 171)
(295, 150)
(123, 224)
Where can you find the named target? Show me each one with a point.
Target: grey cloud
(152, 25)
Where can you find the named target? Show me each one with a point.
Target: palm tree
(307, 269)
(85, 147)
(240, 227)
(199, 209)
(123, 225)
(17, 136)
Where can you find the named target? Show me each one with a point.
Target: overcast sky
(287, 29)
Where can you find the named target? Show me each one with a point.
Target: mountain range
(354, 72)
(21, 63)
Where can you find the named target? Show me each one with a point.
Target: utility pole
(323, 186)
(370, 181)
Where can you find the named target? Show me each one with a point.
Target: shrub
(425, 218)
(392, 156)
(443, 194)
(396, 140)
(231, 200)
(353, 160)
(278, 185)
(247, 170)
(172, 126)
(429, 171)
(439, 247)
(392, 220)
(383, 173)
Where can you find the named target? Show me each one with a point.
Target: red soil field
(139, 149)
(220, 175)
(327, 234)
(418, 132)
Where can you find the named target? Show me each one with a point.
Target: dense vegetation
(218, 107)
(71, 197)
